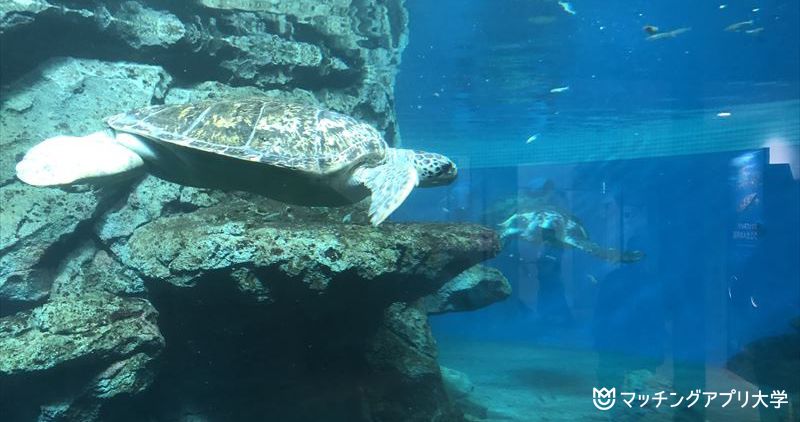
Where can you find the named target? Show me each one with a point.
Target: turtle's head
(434, 169)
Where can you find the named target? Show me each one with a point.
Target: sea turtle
(551, 224)
(293, 152)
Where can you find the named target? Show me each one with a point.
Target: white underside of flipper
(390, 183)
(62, 160)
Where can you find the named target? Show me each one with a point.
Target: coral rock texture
(475, 288)
(140, 299)
(65, 96)
(73, 355)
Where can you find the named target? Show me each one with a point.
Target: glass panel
(684, 147)
(399, 210)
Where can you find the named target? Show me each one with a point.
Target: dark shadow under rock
(405, 382)
(295, 321)
(771, 362)
(229, 357)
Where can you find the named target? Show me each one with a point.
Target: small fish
(724, 114)
(754, 31)
(671, 34)
(753, 302)
(722, 6)
(559, 89)
(592, 279)
(532, 138)
(749, 199)
(730, 295)
(738, 26)
(541, 20)
(347, 218)
(445, 210)
(756, 10)
(567, 6)
(650, 29)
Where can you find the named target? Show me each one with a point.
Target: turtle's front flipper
(389, 182)
(62, 160)
(607, 254)
(575, 235)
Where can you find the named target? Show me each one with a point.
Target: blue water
(489, 56)
(684, 149)
(476, 80)
(682, 211)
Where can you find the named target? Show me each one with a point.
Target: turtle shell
(270, 131)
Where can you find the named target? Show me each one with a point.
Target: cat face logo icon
(604, 398)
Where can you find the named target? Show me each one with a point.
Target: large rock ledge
(180, 248)
(327, 320)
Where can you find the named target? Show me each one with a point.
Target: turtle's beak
(449, 172)
(443, 174)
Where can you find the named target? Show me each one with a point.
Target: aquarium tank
(399, 210)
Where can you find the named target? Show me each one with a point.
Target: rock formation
(145, 300)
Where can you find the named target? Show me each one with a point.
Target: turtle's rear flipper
(390, 184)
(63, 160)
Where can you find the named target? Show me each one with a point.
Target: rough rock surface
(475, 288)
(403, 352)
(66, 331)
(14, 13)
(74, 354)
(460, 390)
(224, 237)
(340, 293)
(307, 306)
(65, 96)
(345, 53)
(140, 26)
(336, 304)
(45, 94)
